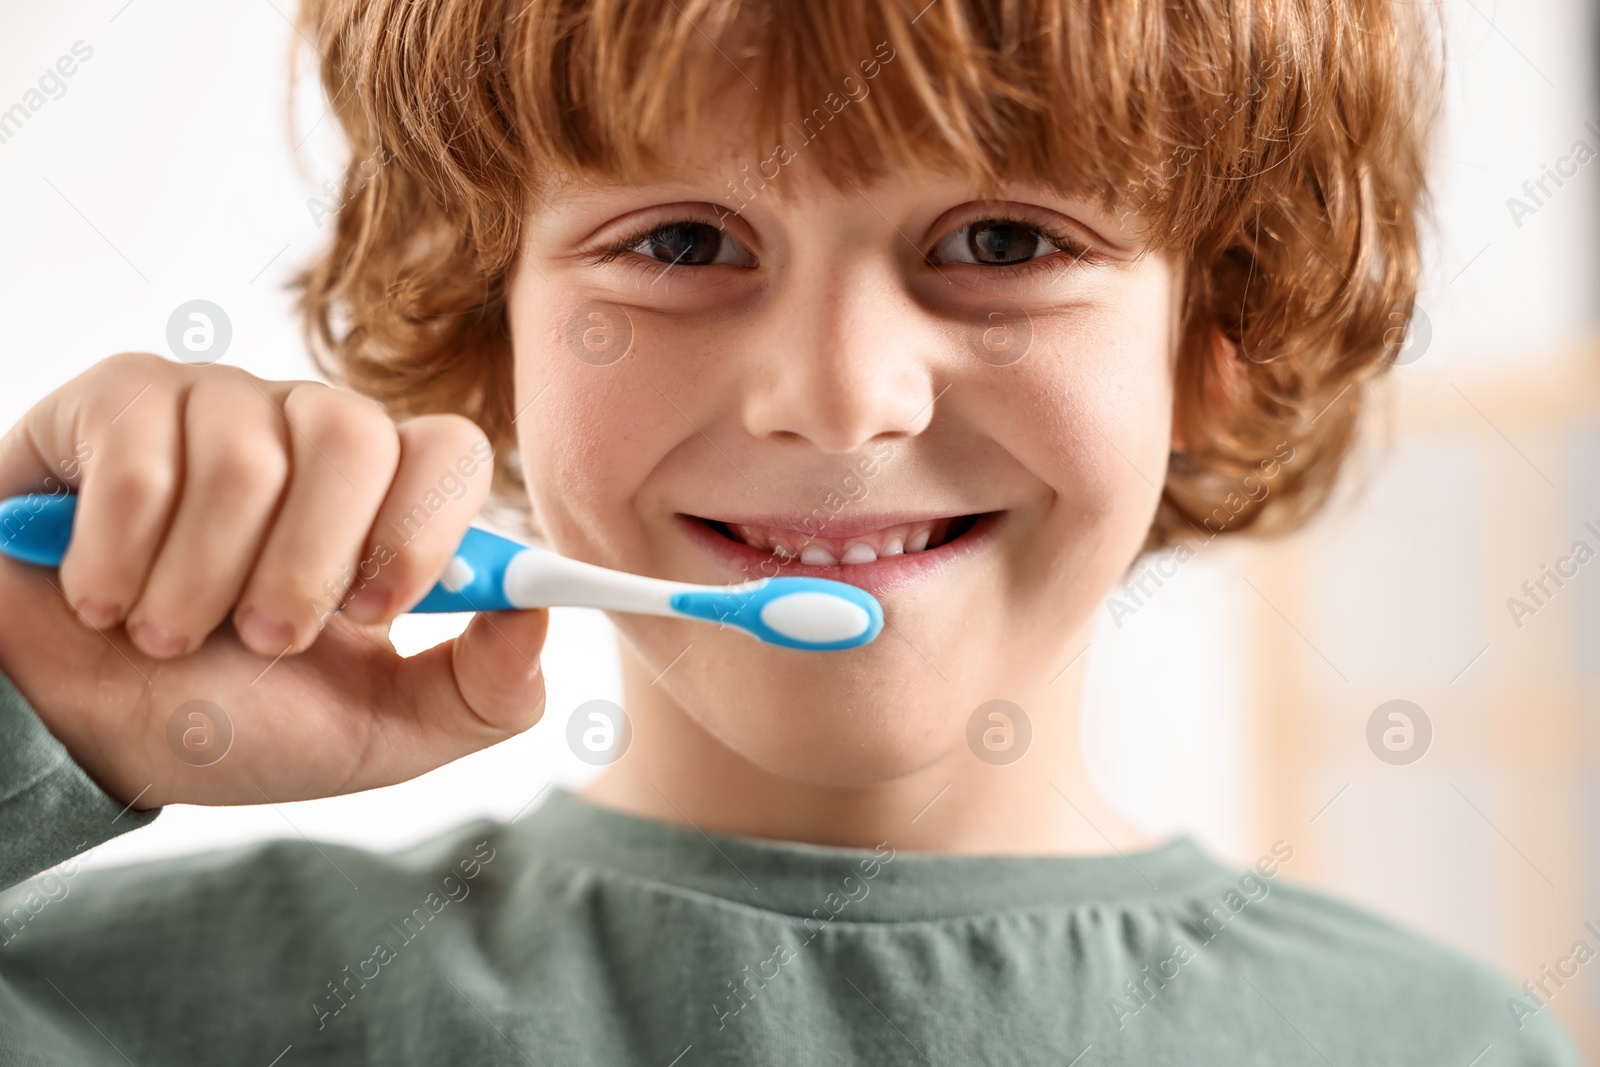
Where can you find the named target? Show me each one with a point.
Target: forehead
(725, 149)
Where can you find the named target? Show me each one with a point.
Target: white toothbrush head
(807, 613)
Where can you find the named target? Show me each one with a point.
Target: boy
(966, 303)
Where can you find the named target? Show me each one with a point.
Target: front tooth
(814, 555)
(754, 536)
(893, 548)
(858, 552)
(918, 541)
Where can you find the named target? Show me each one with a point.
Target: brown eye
(692, 244)
(685, 242)
(998, 242)
(1002, 242)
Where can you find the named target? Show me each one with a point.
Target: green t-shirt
(578, 935)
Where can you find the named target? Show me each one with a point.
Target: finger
(130, 416)
(343, 455)
(444, 478)
(236, 464)
(48, 442)
(40, 452)
(464, 695)
(32, 461)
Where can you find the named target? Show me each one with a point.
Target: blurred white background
(166, 172)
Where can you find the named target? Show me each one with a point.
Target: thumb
(482, 687)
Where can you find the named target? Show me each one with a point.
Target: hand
(207, 496)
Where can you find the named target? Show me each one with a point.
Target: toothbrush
(494, 573)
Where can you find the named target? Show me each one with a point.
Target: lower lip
(883, 575)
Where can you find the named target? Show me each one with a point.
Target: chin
(877, 739)
(837, 719)
(853, 747)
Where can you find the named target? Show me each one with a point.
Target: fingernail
(98, 613)
(368, 604)
(158, 642)
(262, 632)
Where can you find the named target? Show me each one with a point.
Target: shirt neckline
(857, 884)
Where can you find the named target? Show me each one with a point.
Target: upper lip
(844, 525)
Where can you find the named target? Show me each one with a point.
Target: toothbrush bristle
(805, 613)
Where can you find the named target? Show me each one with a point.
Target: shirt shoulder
(269, 896)
(1312, 947)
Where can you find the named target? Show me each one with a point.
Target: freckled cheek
(587, 444)
(1092, 426)
(1095, 423)
(1127, 430)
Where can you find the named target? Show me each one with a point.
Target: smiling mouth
(845, 548)
(817, 550)
(904, 551)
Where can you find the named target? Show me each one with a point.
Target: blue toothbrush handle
(36, 528)
(475, 579)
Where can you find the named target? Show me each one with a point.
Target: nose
(841, 363)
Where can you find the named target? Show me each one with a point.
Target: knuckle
(124, 365)
(448, 453)
(136, 491)
(343, 425)
(448, 429)
(106, 391)
(243, 468)
(468, 447)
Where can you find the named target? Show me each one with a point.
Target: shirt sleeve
(50, 809)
